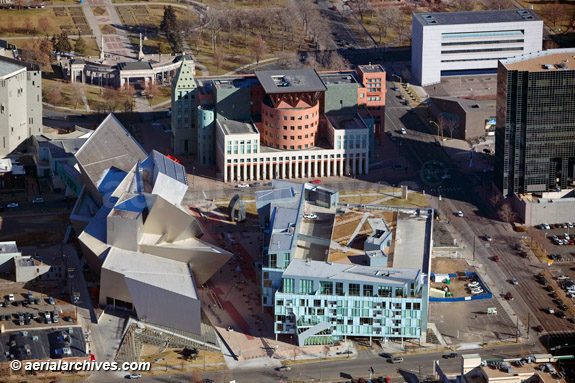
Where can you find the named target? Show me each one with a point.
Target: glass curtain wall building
(535, 134)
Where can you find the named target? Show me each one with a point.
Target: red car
(316, 182)
(334, 8)
(508, 296)
(496, 258)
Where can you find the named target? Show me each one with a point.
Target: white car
(514, 281)
(476, 291)
(11, 297)
(38, 200)
(569, 224)
(243, 186)
(460, 213)
(546, 226)
(473, 284)
(134, 376)
(310, 216)
(403, 131)
(566, 236)
(13, 204)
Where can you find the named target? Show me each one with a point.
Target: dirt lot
(34, 230)
(443, 265)
(170, 361)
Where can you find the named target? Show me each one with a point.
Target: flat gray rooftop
(338, 78)
(347, 272)
(476, 17)
(236, 127)
(345, 122)
(410, 237)
(287, 81)
(8, 247)
(7, 67)
(371, 68)
(274, 194)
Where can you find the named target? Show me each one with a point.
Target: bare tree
(27, 25)
(450, 125)
(19, 4)
(441, 125)
(499, 4)
(506, 213)
(213, 17)
(153, 90)
(218, 58)
(362, 7)
(11, 25)
(54, 94)
(554, 12)
(465, 5)
(111, 99)
(259, 49)
(495, 200)
(77, 93)
(229, 20)
(44, 24)
(402, 27)
(385, 18)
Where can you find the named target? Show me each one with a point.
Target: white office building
(470, 42)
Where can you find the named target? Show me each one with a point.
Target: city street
(343, 370)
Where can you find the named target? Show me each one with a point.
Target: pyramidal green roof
(185, 77)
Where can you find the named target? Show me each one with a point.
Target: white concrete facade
(469, 41)
(350, 155)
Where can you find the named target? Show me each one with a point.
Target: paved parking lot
(64, 309)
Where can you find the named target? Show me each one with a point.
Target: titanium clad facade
(535, 134)
(470, 41)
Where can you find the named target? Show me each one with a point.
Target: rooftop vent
(429, 19)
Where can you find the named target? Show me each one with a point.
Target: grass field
(165, 95)
(19, 19)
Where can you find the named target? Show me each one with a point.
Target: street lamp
(400, 80)
(433, 122)
(193, 176)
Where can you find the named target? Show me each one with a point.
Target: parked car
(30, 296)
(243, 186)
(509, 296)
(477, 291)
(403, 131)
(460, 213)
(51, 301)
(449, 356)
(38, 200)
(13, 204)
(310, 216)
(539, 328)
(134, 376)
(546, 226)
(473, 284)
(488, 237)
(496, 258)
(11, 297)
(514, 281)
(284, 368)
(316, 182)
(550, 310)
(561, 314)
(396, 359)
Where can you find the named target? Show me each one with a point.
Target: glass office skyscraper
(535, 134)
